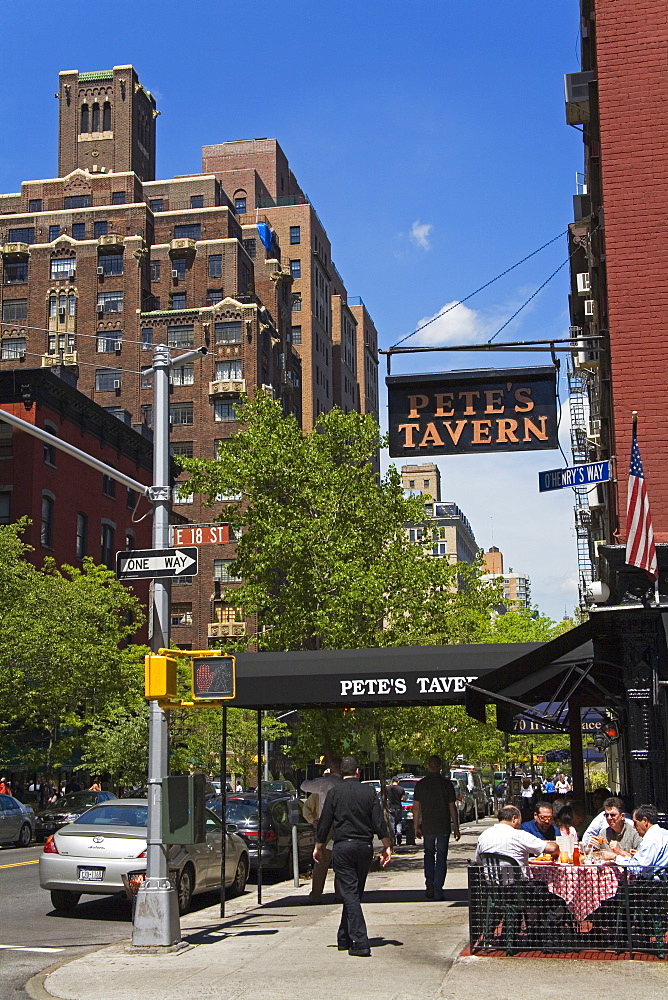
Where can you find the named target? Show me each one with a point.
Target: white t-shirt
(505, 839)
(562, 786)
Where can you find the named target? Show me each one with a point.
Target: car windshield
(463, 775)
(241, 811)
(76, 800)
(115, 815)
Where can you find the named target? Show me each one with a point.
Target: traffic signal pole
(156, 917)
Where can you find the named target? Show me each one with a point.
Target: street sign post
(155, 563)
(576, 475)
(200, 534)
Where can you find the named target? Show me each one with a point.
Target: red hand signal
(204, 677)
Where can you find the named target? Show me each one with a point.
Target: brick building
(103, 261)
(516, 586)
(619, 246)
(99, 516)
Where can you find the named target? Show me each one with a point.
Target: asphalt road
(33, 936)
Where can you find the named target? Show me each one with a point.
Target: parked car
(279, 787)
(375, 783)
(17, 822)
(408, 782)
(473, 782)
(66, 809)
(105, 848)
(464, 800)
(276, 834)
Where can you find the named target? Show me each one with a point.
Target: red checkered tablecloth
(582, 887)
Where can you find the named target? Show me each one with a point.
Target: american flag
(640, 548)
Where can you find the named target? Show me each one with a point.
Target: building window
(296, 303)
(106, 117)
(62, 267)
(155, 270)
(181, 336)
(130, 499)
(179, 268)
(189, 231)
(24, 234)
(227, 332)
(223, 412)
(15, 272)
(95, 118)
(185, 375)
(197, 201)
(181, 498)
(425, 484)
(82, 536)
(296, 332)
(13, 348)
(109, 343)
(240, 206)
(156, 204)
(85, 120)
(78, 201)
(181, 414)
(49, 449)
(147, 414)
(111, 302)
(79, 231)
(222, 570)
(35, 205)
(147, 338)
(118, 197)
(214, 295)
(108, 379)
(228, 369)
(54, 233)
(179, 301)
(60, 342)
(108, 486)
(100, 229)
(5, 440)
(47, 522)
(182, 448)
(250, 246)
(182, 581)
(5, 508)
(181, 614)
(296, 268)
(107, 545)
(111, 263)
(216, 265)
(295, 235)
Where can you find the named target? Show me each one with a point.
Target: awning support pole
(575, 733)
(223, 813)
(259, 805)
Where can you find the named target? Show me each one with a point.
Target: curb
(35, 987)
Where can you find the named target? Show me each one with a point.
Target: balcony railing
(227, 387)
(226, 630)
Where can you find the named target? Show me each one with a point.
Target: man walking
(434, 817)
(317, 789)
(355, 814)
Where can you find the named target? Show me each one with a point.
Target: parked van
(473, 782)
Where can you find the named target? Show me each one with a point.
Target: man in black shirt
(354, 813)
(435, 815)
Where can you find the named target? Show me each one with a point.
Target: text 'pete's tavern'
(456, 413)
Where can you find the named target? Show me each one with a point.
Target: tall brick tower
(106, 123)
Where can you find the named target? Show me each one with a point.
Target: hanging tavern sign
(469, 412)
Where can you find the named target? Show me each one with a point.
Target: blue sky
(431, 139)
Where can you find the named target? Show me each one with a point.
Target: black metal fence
(567, 908)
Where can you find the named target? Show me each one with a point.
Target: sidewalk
(286, 950)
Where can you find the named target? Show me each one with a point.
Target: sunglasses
(612, 815)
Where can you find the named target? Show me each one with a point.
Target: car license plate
(91, 874)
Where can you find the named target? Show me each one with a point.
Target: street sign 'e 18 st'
(214, 677)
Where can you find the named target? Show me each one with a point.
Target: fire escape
(579, 388)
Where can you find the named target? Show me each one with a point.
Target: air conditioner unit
(117, 345)
(584, 284)
(590, 308)
(117, 383)
(100, 309)
(100, 271)
(71, 274)
(175, 273)
(62, 310)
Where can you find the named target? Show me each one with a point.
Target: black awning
(402, 675)
(550, 673)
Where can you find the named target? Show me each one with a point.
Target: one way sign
(156, 563)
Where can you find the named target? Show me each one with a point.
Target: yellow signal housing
(159, 676)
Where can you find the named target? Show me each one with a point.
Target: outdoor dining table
(582, 887)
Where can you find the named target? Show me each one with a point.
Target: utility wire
(480, 289)
(524, 304)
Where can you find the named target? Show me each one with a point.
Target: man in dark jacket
(353, 812)
(435, 814)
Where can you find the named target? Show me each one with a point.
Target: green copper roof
(169, 312)
(100, 74)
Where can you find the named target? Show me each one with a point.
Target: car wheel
(25, 836)
(184, 890)
(240, 878)
(63, 899)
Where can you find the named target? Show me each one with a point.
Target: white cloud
(458, 325)
(420, 234)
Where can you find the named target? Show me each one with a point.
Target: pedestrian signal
(159, 676)
(214, 676)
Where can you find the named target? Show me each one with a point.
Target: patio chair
(648, 908)
(505, 900)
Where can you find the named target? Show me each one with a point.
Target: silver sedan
(103, 852)
(17, 822)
